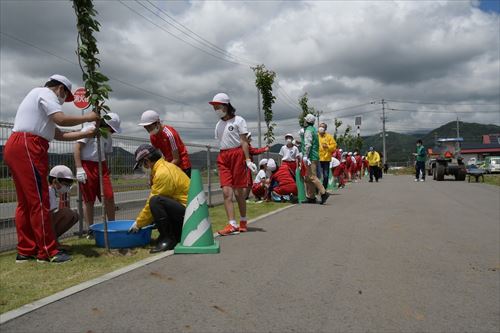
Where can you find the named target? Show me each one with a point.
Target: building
(489, 147)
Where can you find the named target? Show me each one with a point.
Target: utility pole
(384, 158)
(457, 148)
(258, 117)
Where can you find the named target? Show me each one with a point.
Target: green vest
(314, 151)
(421, 154)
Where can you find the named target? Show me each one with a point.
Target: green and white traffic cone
(301, 193)
(197, 235)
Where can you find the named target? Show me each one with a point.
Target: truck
(492, 164)
(445, 160)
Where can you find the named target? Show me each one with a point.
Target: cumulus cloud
(341, 53)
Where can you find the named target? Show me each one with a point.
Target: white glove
(133, 228)
(251, 165)
(306, 160)
(81, 176)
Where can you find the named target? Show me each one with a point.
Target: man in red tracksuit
(167, 140)
(26, 155)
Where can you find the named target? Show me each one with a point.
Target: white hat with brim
(61, 171)
(263, 161)
(220, 98)
(114, 122)
(149, 117)
(67, 83)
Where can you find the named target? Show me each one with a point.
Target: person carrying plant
(373, 159)
(327, 146)
(26, 155)
(420, 156)
(86, 158)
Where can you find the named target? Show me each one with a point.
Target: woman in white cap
(87, 168)
(26, 155)
(233, 161)
(289, 153)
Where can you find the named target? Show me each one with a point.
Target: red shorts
(291, 164)
(91, 190)
(233, 170)
(286, 189)
(258, 190)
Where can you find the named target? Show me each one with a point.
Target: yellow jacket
(167, 180)
(373, 158)
(325, 153)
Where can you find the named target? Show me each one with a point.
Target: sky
(431, 61)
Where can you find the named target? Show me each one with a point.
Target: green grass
(493, 179)
(403, 171)
(24, 283)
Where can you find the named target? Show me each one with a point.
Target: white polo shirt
(260, 175)
(89, 149)
(289, 154)
(33, 113)
(54, 203)
(228, 132)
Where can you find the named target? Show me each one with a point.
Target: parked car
(492, 164)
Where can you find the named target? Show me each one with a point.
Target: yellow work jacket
(373, 158)
(167, 180)
(325, 154)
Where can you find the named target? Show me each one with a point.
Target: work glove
(133, 228)
(81, 176)
(251, 165)
(306, 160)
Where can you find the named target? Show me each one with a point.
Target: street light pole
(384, 158)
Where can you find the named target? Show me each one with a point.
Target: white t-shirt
(54, 203)
(33, 113)
(89, 149)
(228, 132)
(289, 154)
(260, 175)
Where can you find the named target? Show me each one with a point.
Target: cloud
(341, 53)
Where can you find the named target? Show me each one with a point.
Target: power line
(197, 37)
(436, 103)
(173, 35)
(76, 64)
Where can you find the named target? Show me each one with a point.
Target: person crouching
(167, 201)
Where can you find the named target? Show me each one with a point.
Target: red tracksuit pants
(27, 157)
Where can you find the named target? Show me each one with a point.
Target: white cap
(335, 162)
(67, 83)
(148, 117)
(271, 165)
(288, 135)
(349, 153)
(310, 118)
(340, 149)
(263, 161)
(61, 171)
(220, 98)
(114, 122)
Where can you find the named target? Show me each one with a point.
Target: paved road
(394, 256)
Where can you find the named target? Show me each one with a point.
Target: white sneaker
(416, 179)
(422, 180)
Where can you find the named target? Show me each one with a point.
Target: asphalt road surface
(393, 256)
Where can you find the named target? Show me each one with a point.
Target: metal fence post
(209, 179)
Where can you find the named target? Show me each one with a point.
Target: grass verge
(27, 282)
(493, 179)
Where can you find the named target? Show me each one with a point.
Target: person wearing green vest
(420, 163)
(310, 158)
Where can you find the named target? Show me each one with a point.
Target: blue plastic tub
(118, 237)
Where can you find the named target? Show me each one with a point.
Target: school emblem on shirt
(230, 128)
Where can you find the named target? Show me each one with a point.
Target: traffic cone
(197, 235)
(331, 181)
(301, 194)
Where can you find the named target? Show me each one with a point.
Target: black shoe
(59, 258)
(22, 258)
(163, 245)
(310, 200)
(324, 197)
(370, 181)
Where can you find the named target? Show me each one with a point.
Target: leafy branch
(306, 109)
(264, 80)
(95, 82)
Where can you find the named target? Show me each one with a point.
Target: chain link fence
(130, 189)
